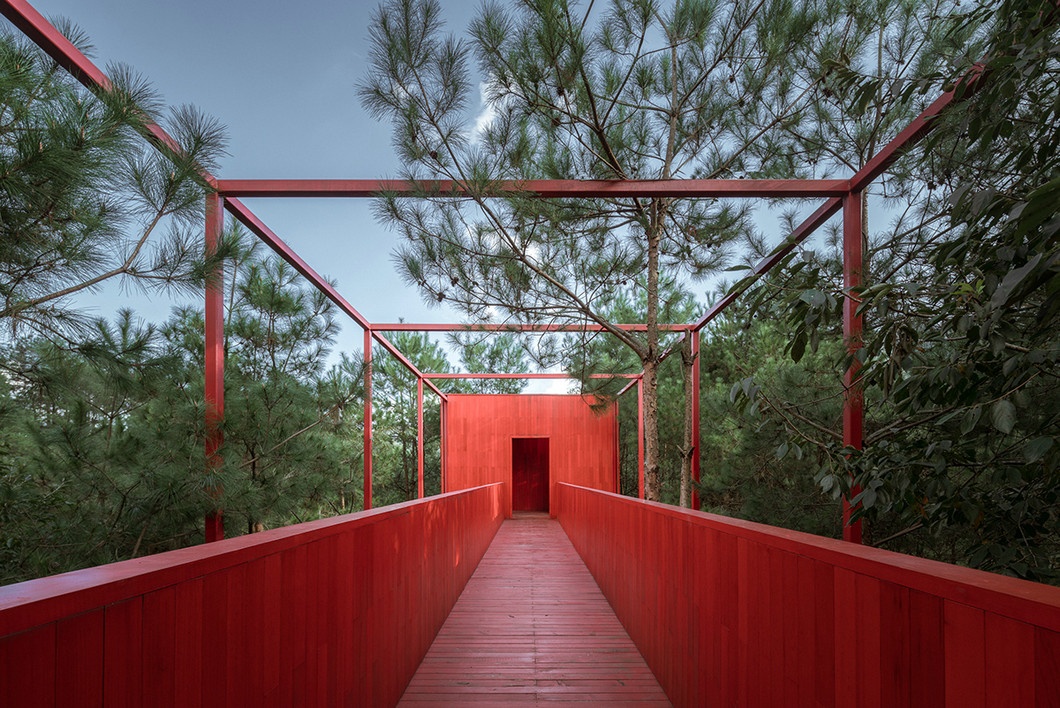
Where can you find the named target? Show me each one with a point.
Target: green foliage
(960, 359)
(83, 199)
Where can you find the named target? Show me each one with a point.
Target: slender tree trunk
(652, 482)
(687, 360)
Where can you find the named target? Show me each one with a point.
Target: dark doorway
(529, 474)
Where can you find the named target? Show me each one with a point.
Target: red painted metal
(333, 612)
(695, 418)
(640, 438)
(536, 375)
(367, 419)
(419, 437)
(532, 627)
(443, 425)
(915, 131)
(480, 428)
(729, 612)
(42, 33)
(257, 227)
(632, 382)
(543, 327)
(853, 399)
(405, 361)
(800, 234)
(214, 338)
(617, 189)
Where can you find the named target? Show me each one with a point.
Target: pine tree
(640, 90)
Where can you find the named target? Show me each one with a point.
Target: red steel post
(214, 359)
(695, 417)
(367, 419)
(419, 437)
(640, 438)
(853, 400)
(443, 463)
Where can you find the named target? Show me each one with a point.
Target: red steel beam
(800, 234)
(246, 217)
(538, 375)
(640, 437)
(42, 33)
(631, 384)
(550, 188)
(367, 504)
(853, 323)
(915, 131)
(419, 438)
(490, 327)
(214, 345)
(396, 353)
(695, 419)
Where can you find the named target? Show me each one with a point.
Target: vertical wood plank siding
(733, 613)
(329, 613)
(480, 428)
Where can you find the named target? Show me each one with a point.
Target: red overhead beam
(515, 327)
(800, 234)
(915, 131)
(539, 375)
(389, 346)
(633, 382)
(545, 188)
(42, 33)
(246, 217)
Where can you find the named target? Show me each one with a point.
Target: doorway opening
(530, 474)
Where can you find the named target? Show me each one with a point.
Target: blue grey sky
(282, 78)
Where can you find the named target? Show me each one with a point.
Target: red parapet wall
(333, 612)
(733, 613)
(480, 427)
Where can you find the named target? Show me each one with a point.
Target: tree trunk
(687, 450)
(652, 482)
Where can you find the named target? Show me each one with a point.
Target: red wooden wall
(328, 613)
(583, 443)
(729, 612)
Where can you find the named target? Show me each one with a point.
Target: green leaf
(1036, 449)
(1003, 416)
(970, 419)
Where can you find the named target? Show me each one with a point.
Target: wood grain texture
(337, 612)
(480, 428)
(532, 627)
(786, 618)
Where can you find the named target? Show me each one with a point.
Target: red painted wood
(480, 428)
(79, 660)
(786, 618)
(965, 652)
(335, 612)
(27, 663)
(1046, 668)
(532, 626)
(123, 650)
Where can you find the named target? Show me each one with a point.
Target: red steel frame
(841, 194)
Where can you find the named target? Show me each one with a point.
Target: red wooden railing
(733, 613)
(333, 612)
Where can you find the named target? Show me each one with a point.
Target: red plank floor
(531, 627)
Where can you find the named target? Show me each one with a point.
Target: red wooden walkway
(532, 626)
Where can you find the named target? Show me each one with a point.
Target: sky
(282, 78)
